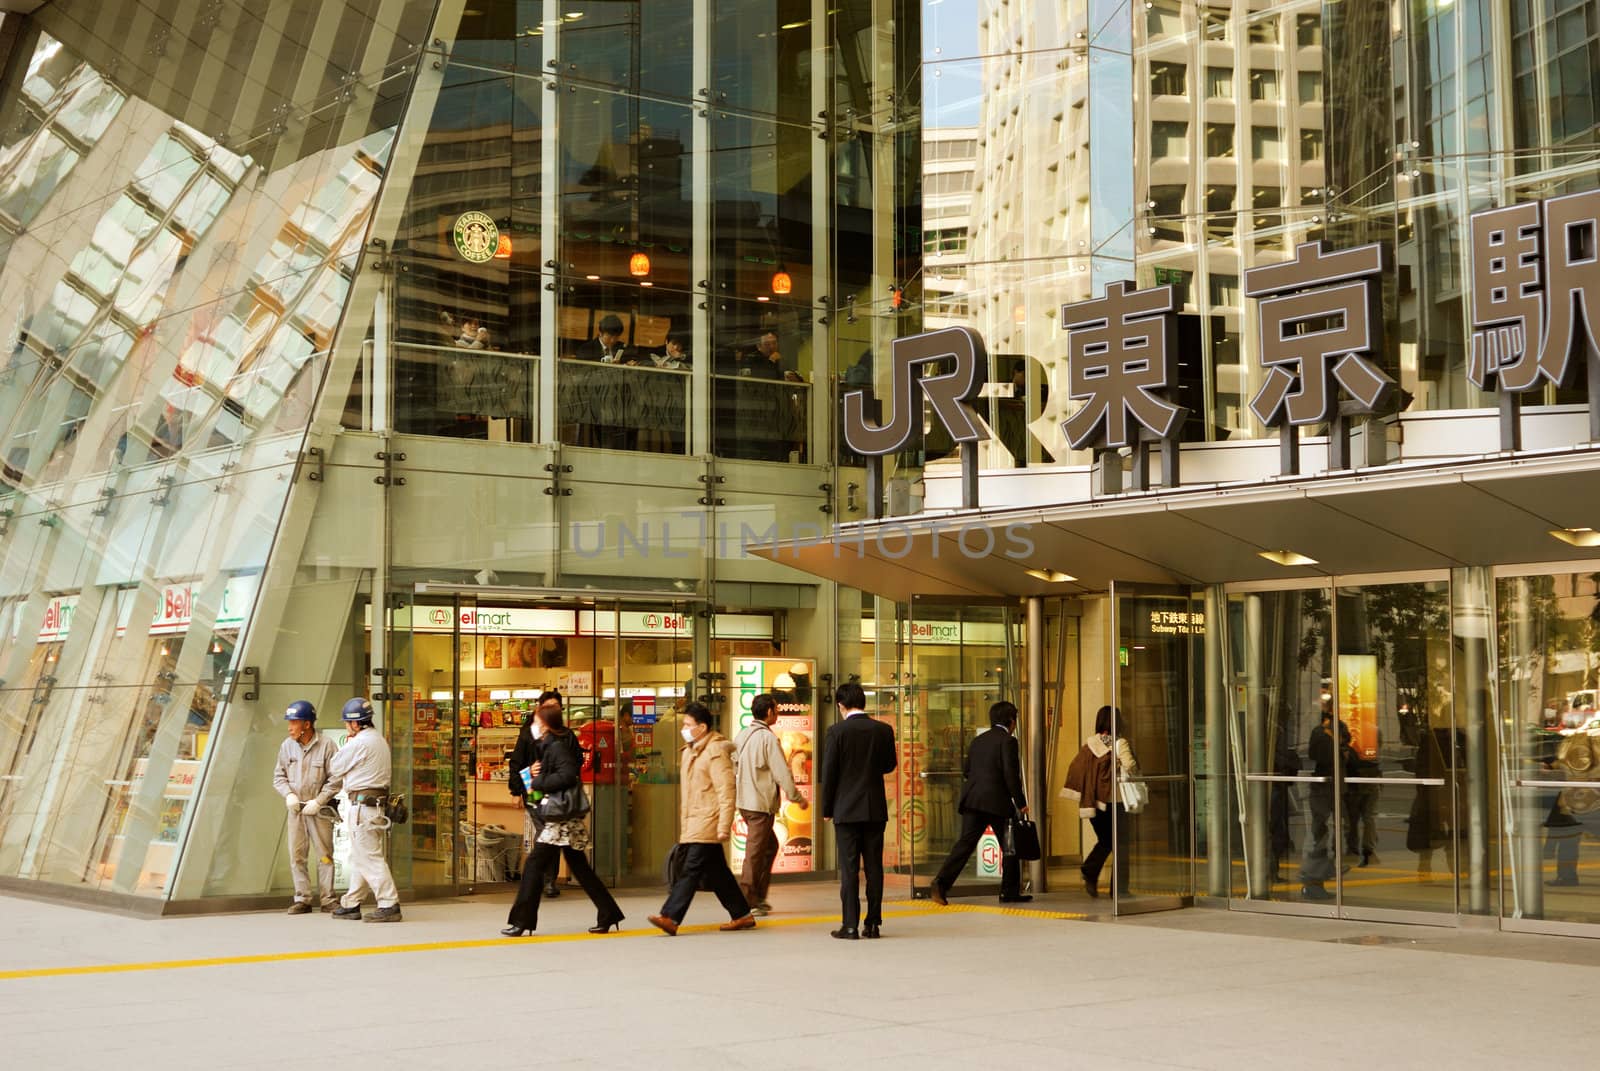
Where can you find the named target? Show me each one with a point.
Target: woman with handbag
(563, 810)
(1091, 783)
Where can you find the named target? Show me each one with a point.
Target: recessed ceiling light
(1578, 537)
(1287, 557)
(1050, 576)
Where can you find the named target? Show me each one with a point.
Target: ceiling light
(1050, 576)
(646, 282)
(1578, 537)
(1287, 557)
(592, 278)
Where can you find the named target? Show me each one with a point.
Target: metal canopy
(1397, 519)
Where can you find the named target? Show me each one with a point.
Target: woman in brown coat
(1091, 783)
(706, 791)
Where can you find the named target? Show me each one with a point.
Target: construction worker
(304, 779)
(363, 766)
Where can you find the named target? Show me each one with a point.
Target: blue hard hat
(300, 710)
(357, 709)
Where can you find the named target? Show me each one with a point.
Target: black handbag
(1021, 839)
(563, 804)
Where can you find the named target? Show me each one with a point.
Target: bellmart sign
(1318, 340)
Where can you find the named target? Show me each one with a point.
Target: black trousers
(1103, 823)
(705, 861)
(973, 823)
(860, 847)
(536, 871)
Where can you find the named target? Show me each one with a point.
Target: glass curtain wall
(179, 231)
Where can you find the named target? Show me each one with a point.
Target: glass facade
(446, 352)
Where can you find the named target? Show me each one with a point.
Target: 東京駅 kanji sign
(1535, 298)
(1122, 360)
(1319, 323)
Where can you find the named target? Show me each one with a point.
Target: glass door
(1548, 628)
(647, 652)
(1345, 750)
(424, 732)
(1159, 632)
(1280, 675)
(964, 658)
(1399, 750)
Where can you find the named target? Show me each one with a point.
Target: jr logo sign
(948, 367)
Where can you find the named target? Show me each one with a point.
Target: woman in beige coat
(706, 791)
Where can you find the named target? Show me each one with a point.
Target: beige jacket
(706, 790)
(763, 770)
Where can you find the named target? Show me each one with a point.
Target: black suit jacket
(994, 774)
(523, 755)
(856, 754)
(593, 351)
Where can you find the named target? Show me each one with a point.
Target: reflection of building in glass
(949, 157)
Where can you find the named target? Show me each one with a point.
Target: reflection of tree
(1529, 616)
(1400, 619)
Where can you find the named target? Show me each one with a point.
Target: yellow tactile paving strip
(894, 910)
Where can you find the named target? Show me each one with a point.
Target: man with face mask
(706, 789)
(304, 779)
(524, 755)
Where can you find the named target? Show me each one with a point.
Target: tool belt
(370, 797)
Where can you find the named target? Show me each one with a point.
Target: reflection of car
(1580, 712)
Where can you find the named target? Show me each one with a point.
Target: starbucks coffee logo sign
(476, 237)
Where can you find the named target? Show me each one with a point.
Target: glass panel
(1158, 646)
(1282, 750)
(1394, 693)
(1550, 746)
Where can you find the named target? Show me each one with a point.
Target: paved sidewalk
(970, 987)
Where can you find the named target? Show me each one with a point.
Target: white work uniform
(303, 770)
(363, 765)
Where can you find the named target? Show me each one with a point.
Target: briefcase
(1022, 839)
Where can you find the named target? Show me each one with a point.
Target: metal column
(1035, 733)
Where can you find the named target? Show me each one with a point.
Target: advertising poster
(791, 682)
(1358, 702)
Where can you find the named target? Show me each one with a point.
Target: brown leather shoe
(936, 894)
(746, 923)
(664, 924)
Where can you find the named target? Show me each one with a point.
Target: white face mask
(688, 735)
(537, 728)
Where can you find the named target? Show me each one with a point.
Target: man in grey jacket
(762, 771)
(304, 780)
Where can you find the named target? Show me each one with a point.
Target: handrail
(640, 366)
(465, 350)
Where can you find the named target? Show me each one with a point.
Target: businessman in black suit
(991, 797)
(857, 754)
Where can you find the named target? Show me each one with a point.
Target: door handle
(1432, 782)
(1286, 778)
(1558, 784)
